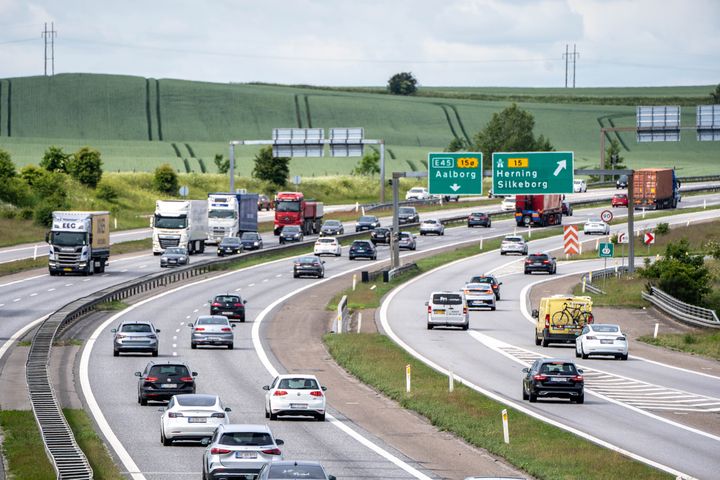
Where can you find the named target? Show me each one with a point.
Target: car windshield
(482, 279)
(433, 222)
(594, 220)
(136, 328)
(538, 257)
(477, 214)
(227, 299)
(222, 213)
(326, 240)
(447, 299)
(606, 328)
(366, 219)
(175, 251)
(291, 229)
(332, 223)
(231, 240)
(250, 236)
(311, 472)
(361, 244)
(478, 286)
(195, 400)
(212, 321)
(246, 438)
(558, 368)
(513, 239)
(298, 383)
(416, 190)
(405, 235)
(286, 206)
(170, 222)
(69, 238)
(406, 210)
(307, 260)
(172, 370)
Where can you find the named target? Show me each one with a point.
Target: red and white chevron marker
(649, 238)
(570, 238)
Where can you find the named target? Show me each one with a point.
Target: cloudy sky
(364, 42)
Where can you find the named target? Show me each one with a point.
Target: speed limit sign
(606, 216)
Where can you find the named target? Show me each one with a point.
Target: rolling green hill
(138, 123)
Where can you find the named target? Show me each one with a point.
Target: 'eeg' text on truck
(180, 223)
(231, 214)
(291, 208)
(79, 242)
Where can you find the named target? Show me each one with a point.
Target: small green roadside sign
(606, 250)
(523, 173)
(455, 173)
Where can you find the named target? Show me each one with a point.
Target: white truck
(180, 223)
(231, 214)
(79, 242)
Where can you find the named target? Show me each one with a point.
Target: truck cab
(79, 242)
(291, 208)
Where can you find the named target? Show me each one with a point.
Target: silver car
(596, 226)
(238, 451)
(174, 256)
(513, 244)
(135, 337)
(212, 330)
(479, 295)
(432, 226)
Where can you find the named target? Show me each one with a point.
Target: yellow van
(560, 318)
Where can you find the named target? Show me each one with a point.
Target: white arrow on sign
(562, 164)
(455, 187)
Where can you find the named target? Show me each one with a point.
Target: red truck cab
(291, 208)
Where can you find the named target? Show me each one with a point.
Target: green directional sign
(456, 173)
(521, 173)
(606, 250)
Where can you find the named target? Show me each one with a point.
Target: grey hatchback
(294, 469)
(239, 451)
(212, 330)
(135, 337)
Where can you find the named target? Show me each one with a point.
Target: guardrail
(388, 275)
(588, 278)
(698, 316)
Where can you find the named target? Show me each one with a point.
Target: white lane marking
(195, 311)
(238, 289)
(174, 354)
(251, 285)
(265, 280)
(175, 337)
(68, 284)
(15, 336)
(106, 275)
(175, 346)
(2, 304)
(520, 407)
(33, 294)
(124, 270)
(23, 280)
(17, 299)
(86, 280)
(177, 331)
(182, 323)
(51, 289)
(277, 276)
(142, 266)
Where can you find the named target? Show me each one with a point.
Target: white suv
(579, 185)
(447, 309)
(417, 193)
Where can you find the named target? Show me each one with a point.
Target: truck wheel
(202, 247)
(526, 221)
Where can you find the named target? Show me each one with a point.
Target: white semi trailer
(180, 223)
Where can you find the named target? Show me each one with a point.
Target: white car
(596, 226)
(432, 226)
(295, 394)
(601, 339)
(508, 204)
(327, 246)
(417, 193)
(513, 244)
(479, 295)
(579, 185)
(191, 417)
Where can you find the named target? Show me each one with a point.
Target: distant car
(621, 182)
(135, 337)
(310, 266)
(214, 330)
(601, 339)
(451, 198)
(619, 200)
(408, 215)
(366, 222)
(508, 204)
(417, 193)
(294, 469)
(362, 249)
(479, 219)
(447, 309)
(251, 241)
(264, 203)
(229, 246)
(491, 279)
(239, 451)
(552, 377)
(596, 226)
(432, 226)
(160, 381)
(540, 262)
(192, 417)
(228, 305)
(327, 246)
(407, 241)
(174, 257)
(296, 395)
(479, 295)
(332, 227)
(579, 185)
(291, 233)
(381, 235)
(513, 244)
(566, 208)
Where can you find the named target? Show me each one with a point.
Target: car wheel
(624, 357)
(116, 353)
(527, 272)
(502, 253)
(273, 416)
(267, 415)
(532, 397)
(352, 258)
(537, 340)
(193, 345)
(497, 297)
(583, 354)
(165, 441)
(429, 326)
(580, 399)
(320, 417)
(155, 353)
(492, 308)
(143, 400)
(525, 395)
(466, 326)
(545, 342)
(577, 353)
(374, 257)
(231, 346)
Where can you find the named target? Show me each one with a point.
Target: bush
(662, 228)
(26, 213)
(85, 166)
(106, 192)
(16, 192)
(165, 179)
(7, 167)
(55, 160)
(30, 173)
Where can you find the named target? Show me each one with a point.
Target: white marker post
(657, 325)
(583, 287)
(451, 382)
(704, 204)
(359, 321)
(357, 206)
(481, 243)
(35, 253)
(506, 430)
(115, 223)
(354, 281)
(407, 378)
(363, 210)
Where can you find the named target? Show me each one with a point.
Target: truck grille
(68, 258)
(169, 242)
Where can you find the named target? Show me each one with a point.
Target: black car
(174, 257)
(366, 222)
(479, 219)
(381, 235)
(362, 249)
(332, 227)
(553, 377)
(229, 246)
(567, 208)
(408, 215)
(309, 266)
(291, 233)
(488, 279)
(540, 262)
(228, 305)
(160, 381)
(621, 182)
(264, 202)
(251, 241)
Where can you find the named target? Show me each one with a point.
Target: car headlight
(256, 244)
(182, 259)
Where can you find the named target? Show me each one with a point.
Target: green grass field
(135, 121)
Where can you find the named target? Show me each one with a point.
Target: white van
(447, 309)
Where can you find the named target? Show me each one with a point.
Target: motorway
(240, 376)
